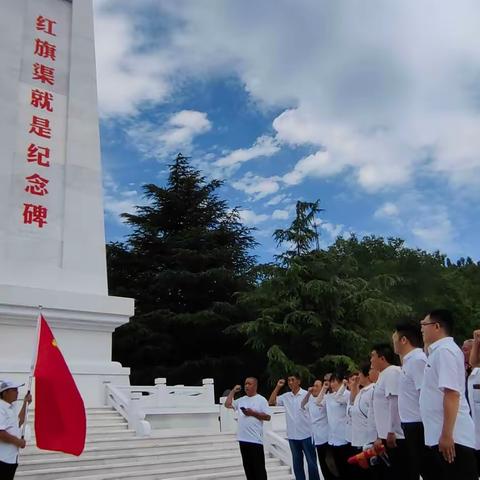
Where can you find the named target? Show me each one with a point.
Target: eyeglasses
(422, 324)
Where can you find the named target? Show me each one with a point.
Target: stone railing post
(209, 389)
(228, 423)
(105, 391)
(161, 397)
(136, 418)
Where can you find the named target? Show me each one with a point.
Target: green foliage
(319, 311)
(302, 232)
(205, 309)
(184, 262)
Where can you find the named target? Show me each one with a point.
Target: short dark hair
(296, 375)
(365, 369)
(444, 317)
(255, 379)
(411, 332)
(385, 350)
(337, 376)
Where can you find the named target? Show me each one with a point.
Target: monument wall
(52, 241)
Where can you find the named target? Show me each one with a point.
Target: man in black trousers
(449, 429)
(408, 345)
(252, 411)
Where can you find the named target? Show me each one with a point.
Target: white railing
(161, 397)
(277, 446)
(128, 405)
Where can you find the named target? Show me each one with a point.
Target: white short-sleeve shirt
(9, 423)
(250, 429)
(363, 430)
(445, 369)
(411, 380)
(387, 418)
(337, 417)
(474, 400)
(298, 418)
(318, 419)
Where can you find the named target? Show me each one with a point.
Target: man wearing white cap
(10, 435)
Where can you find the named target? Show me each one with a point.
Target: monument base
(82, 324)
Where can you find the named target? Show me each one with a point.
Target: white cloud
(127, 76)
(176, 134)
(278, 199)
(331, 229)
(251, 218)
(280, 214)
(117, 200)
(387, 210)
(424, 221)
(385, 98)
(318, 165)
(264, 146)
(256, 186)
(434, 230)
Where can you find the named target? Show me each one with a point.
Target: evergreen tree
(302, 233)
(186, 259)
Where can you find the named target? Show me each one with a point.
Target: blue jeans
(299, 448)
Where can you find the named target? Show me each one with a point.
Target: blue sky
(372, 107)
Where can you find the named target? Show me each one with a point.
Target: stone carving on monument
(52, 241)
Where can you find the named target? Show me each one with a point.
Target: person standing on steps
(10, 434)
(299, 430)
(252, 410)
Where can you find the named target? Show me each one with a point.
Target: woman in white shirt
(336, 405)
(363, 430)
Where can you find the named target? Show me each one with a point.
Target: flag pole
(32, 368)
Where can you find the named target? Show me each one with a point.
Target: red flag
(60, 420)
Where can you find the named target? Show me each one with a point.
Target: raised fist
(237, 388)
(281, 383)
(476, 336)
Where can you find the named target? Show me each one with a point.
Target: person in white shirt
(10, 434)
(385, 406)
(319, 421)
(408, 345)
(474, 391)
(449, 429)
(252, 410)
(299, 431)
(336, 405)
(361, 399)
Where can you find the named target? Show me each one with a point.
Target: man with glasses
(449, 429)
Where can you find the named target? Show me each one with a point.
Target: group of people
(421, 418)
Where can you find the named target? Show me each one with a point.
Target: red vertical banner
(60, 418)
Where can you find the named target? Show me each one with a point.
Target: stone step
(111, 459)
(101, 435)
(129, 443)
(94, 449)
(274, 473)
(129, 468)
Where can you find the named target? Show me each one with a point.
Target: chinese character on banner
(34, 214)
(45, 25)
(45, 49)
(36, 185)
(43, 73)
(41, 127)
(38, 154)
(41, 99)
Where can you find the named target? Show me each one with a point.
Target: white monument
(52, 242)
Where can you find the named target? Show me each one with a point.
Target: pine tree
(187, 257)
